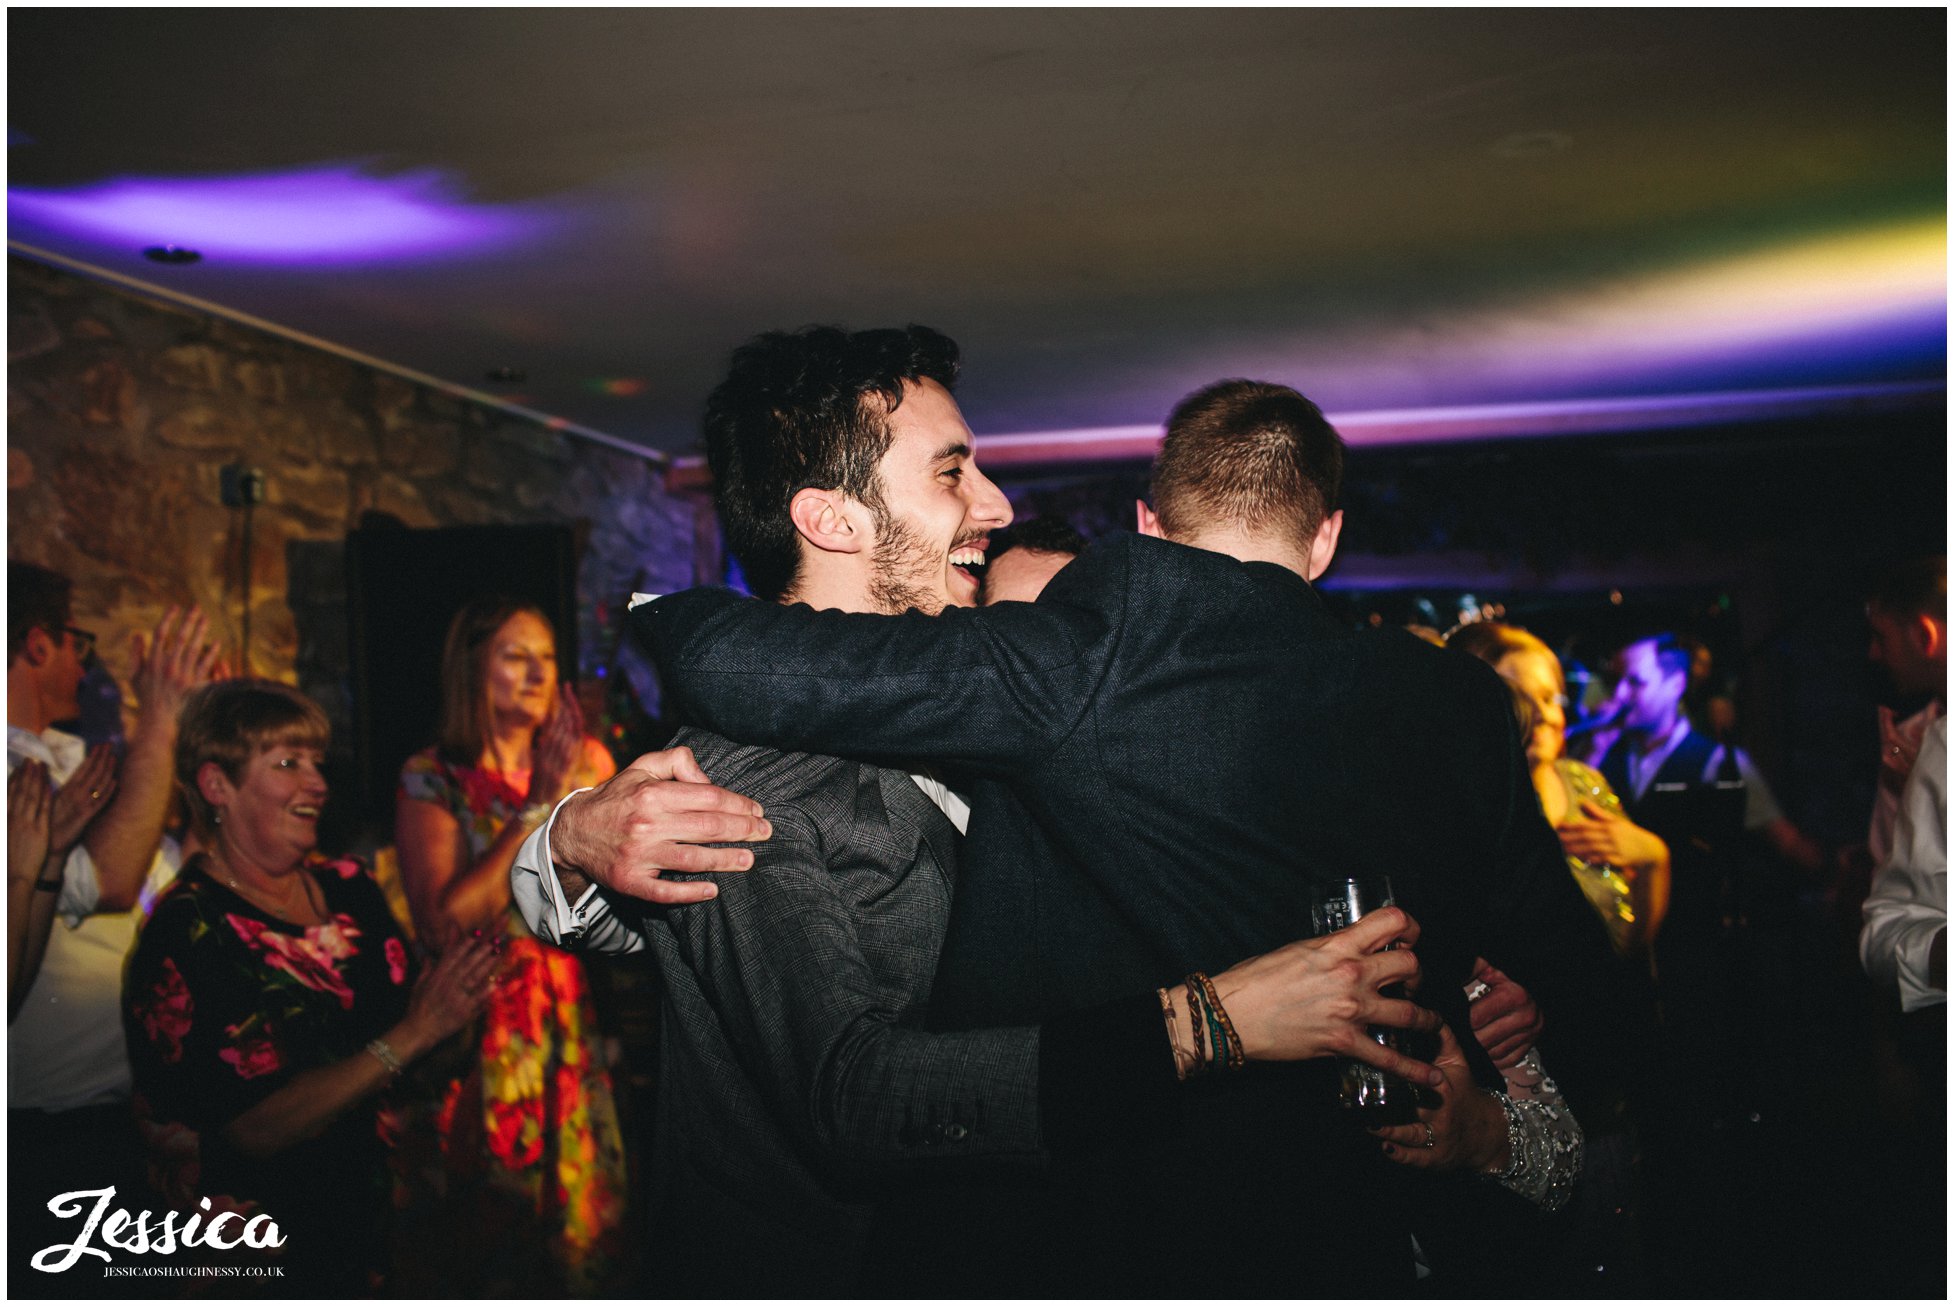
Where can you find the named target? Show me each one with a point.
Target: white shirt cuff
(539, 895)
(1911, 952)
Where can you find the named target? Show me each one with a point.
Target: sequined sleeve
(1545, 1139)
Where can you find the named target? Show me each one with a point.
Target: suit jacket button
(957, 1131)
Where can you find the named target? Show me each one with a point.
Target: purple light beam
(328, 214)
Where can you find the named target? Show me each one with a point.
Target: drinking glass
(1363, 1087)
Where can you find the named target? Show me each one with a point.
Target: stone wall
(122, 409)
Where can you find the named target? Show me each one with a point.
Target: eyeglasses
(84, 641)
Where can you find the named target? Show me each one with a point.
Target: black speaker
(403, 586)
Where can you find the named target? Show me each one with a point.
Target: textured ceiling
(1392, 209)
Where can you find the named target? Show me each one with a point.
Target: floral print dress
(223, 1005)
(529, 1141)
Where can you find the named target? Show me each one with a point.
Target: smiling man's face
(1649, 695)
(930, 543)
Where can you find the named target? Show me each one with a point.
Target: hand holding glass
(1363, 1087)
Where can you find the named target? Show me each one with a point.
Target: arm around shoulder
(990, 687)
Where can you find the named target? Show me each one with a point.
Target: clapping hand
(30, 805)
(557, 749)
(177, 659)
(449, 993)
(78, 801)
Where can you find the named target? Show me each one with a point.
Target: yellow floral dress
(532, 1184)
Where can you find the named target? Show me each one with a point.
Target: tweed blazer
(796, 1080)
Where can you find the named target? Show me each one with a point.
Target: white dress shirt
(1908, 903)
(65, 1049)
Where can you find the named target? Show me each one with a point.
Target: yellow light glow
(1823, 284)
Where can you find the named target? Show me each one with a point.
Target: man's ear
(38, 648)
(1324, 547)
(1930, 634)
(215, 786)
(1146, 521)
(827, 519)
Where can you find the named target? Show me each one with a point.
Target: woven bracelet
(1196, 1010)
(1236, 1059)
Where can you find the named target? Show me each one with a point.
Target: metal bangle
(386, 1055)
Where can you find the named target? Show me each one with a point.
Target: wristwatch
(535, 814)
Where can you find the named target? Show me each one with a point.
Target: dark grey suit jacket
(796, 1081)
(1173, 748)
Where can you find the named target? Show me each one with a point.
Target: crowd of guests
(209, 1013)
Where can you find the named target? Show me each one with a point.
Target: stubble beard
(901, 572)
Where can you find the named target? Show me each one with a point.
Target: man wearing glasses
(68, 1084)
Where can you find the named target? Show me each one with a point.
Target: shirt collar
(1642, 767)
(60, 751)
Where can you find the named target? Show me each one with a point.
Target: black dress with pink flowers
(223, 1005)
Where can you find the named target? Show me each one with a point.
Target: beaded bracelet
(1203, 1061)
(1236, 1059)
(1217, 1037)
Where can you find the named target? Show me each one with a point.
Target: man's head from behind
(1025, 557)
(844, 473)
(1907, 610)
(44, 654)
(1252, 469)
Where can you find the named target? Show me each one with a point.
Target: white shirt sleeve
(1908, 903)
(588, 923)
(81, 888)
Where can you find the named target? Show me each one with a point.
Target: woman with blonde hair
(271, 1000)
(1621, 868)
(531, 1157)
